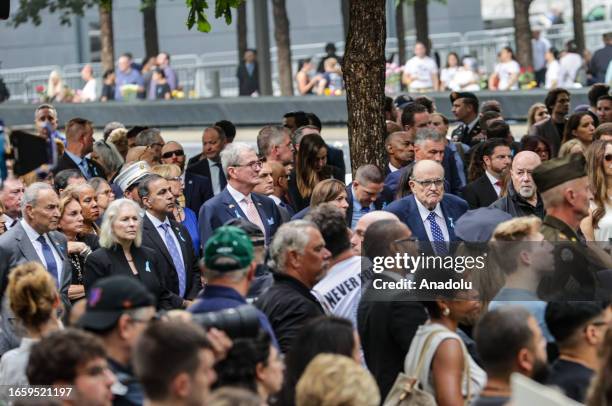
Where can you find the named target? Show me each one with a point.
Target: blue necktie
(176, 258)
(85, 168)
(49, 258)
(436, 233)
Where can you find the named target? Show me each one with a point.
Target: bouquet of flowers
(393, 78)
(129, 92)
(527, 78)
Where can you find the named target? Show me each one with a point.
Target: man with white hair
(241, 166)
(522, 198)
(300, 258)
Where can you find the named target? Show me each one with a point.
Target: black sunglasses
(608, 157)
(169, 154)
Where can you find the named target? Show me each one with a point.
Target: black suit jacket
(200, 167)
(385, 197)
(335, 157)
(480, 193)
(548, 130)
(387, 321)
(65, 162)
(152, 239)
(105, 262)
(198, 189)
(247, 84)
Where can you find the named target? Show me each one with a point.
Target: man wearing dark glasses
(197, 187)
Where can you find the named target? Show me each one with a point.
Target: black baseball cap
(134, 131)
(109, 298)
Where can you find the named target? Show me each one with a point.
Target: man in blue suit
(241, 166)
(428, 212)
(365, 194)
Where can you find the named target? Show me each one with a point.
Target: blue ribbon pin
(147, 267)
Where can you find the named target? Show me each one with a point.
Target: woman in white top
(88, 93)
(421, 71)
(444, 372)
(447, 74)
(598, 225)
(552, 69)
(35, 302)
(506, 73)
(569, 65)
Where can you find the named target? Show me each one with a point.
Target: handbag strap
(426, 345)
(466, 371)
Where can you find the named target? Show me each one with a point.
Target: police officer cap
(556, 171)
(462, 95)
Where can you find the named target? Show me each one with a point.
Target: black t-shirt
(108, 91)
(571, 377)
(161, 90)
(560, 128)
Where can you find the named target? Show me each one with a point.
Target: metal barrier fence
(214, 74)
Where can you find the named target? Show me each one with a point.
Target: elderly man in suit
(428, 211)
(557, 102)
(198, 188)
(34, 239)
(168, 237)
(485, 190)
(79, 143)
(241, 166)
(208, 163)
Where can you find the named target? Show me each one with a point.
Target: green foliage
(411, 2)
(29, 10)
(197, 12)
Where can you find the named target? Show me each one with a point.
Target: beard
(526, 192)
(540, 371)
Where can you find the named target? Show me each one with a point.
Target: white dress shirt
(239, 198)
(157, 224)
(392, 168)
(440, 220)
(493, 181)
(33, 236)
(214, 176)
(8, 221)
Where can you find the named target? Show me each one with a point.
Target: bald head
(523, 165)
(364, 222)
(427, 169)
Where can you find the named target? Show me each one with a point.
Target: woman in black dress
(121, 253)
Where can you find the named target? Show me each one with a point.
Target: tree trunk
(283, 47)
(241, 30)
(522, 33)
(107, 53)
(421, 23)
(364, 76)
(149, 22)
(401, 33)
(344, 8)
(578, 25)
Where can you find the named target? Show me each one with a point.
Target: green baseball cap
(228, 249)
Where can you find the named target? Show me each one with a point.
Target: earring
(446, 312)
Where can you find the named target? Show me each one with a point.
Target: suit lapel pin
(271, 221)
(237, 214)
(231, 206)
(181, 236)
(450, 220)
(147, 267)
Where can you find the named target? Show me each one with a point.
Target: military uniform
(463, 133)
(576, 264)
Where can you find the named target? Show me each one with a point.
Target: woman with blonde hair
(118, 137)
(327, 191)
(537, 112)
(336, 380)
(85, 194)
(55, 87)
(35, 302)
(573, 146)
(182, 214)
(598, 225)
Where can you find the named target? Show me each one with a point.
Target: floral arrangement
(129, 92)
(393, 78)
(527, 78)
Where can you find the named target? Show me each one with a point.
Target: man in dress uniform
(465, 109)
(565, 191)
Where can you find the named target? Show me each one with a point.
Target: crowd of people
(111, 260)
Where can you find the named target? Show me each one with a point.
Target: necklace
(76, 264)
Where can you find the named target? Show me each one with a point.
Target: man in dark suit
(208, 162)
(79, 138)
(486, 189)
(428, 211)
(198, 189)
(168, 237)
(241, 166)
(365, 194)
(400, 150)
(266, 187)
(280, 184)
(385, 310)
(557, 102)
(33, 239)
(465, 109)
(248, 74)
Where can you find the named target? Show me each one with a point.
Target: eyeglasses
(177, 153)
(254, 165)
(608, 157)
(428, 182)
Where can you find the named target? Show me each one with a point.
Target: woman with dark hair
(325, 334)
(537, 144)
(310, 168)
(580, 126)
(506, 73)
(447, 371)
(254, 364)
(552, 69)
(598, 225)
(306, 84)
(327, 191)
(448, 73)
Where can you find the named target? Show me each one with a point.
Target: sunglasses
(608, 157)
(177, 153)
